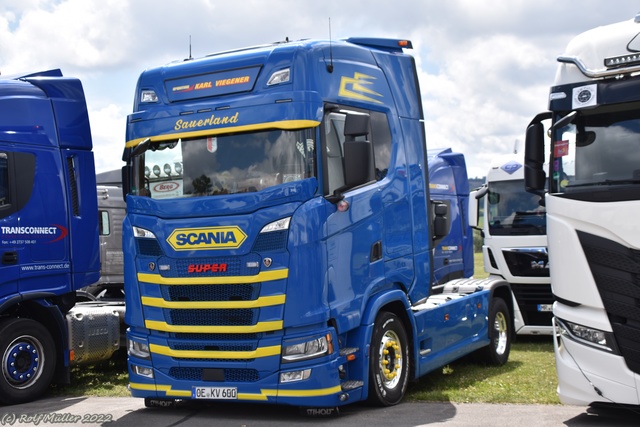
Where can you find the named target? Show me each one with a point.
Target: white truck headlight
(590, 336)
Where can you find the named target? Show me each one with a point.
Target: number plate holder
(215, 393)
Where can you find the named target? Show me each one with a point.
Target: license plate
(218, 393)
(545, 307)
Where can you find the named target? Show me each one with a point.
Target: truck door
(355, 249)
(14, 166)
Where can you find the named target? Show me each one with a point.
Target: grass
(528, 377)
(105, 379)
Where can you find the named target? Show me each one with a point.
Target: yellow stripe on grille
(263, 276)
(207, 329)
(260, 302)
(209, 354)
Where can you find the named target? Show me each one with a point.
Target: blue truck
(48, 237)
(280, 232)
(449, 184)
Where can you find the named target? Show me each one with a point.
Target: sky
(485, 66)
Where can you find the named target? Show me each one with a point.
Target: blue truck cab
(280, 231)
(48, 226)
(449, 184)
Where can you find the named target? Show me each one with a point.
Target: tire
(389, 361)
(500, 333)
(28, 360)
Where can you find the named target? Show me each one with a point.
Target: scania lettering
(48, 237)
(321, 172)
(592, 205)
(515, 242)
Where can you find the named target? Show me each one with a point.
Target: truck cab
(592, 197)
(280, 231)
(48, 227)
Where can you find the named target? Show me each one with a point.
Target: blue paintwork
(448, 181)
(43, 117)
(332, 285)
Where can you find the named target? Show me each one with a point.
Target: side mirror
(358, 155)
(474, 205)
(534, 176)
(441, 219)
(357, 163)
(126, 181)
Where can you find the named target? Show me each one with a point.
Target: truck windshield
(600, 148)
(513, 211)
(224, 164)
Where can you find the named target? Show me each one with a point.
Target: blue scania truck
(280, 232)
(48, 237)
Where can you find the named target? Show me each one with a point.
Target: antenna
(330, 65)
(190, 57)
(515, 146)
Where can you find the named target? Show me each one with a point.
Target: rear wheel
(28, 360)
(497, 352)
(389, 362)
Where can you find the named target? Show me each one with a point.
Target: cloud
(108, 131)
(485, 65)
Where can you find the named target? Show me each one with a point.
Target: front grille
(230, 375)
(225, 266)
(273, 241)
(529, 296)
(216, 337)
(212, 317)
(527, 263)
(616, 271)
(149, 247)
(212, 346)
(243, 292)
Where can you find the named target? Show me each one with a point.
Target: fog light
(143, 371)
(291, 376)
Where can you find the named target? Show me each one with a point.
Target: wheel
(28, 360)
(497, 352)
(389, 362)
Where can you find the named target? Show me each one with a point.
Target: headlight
(590, 336)
(138, 349)
(307, 350)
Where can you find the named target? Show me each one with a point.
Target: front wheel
(389, 362)
(497, 352)
(28, 360)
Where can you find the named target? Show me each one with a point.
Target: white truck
(515, 242)
(592, 203)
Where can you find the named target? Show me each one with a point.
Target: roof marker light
(280, 76)
(148, 96)
(622, 60)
